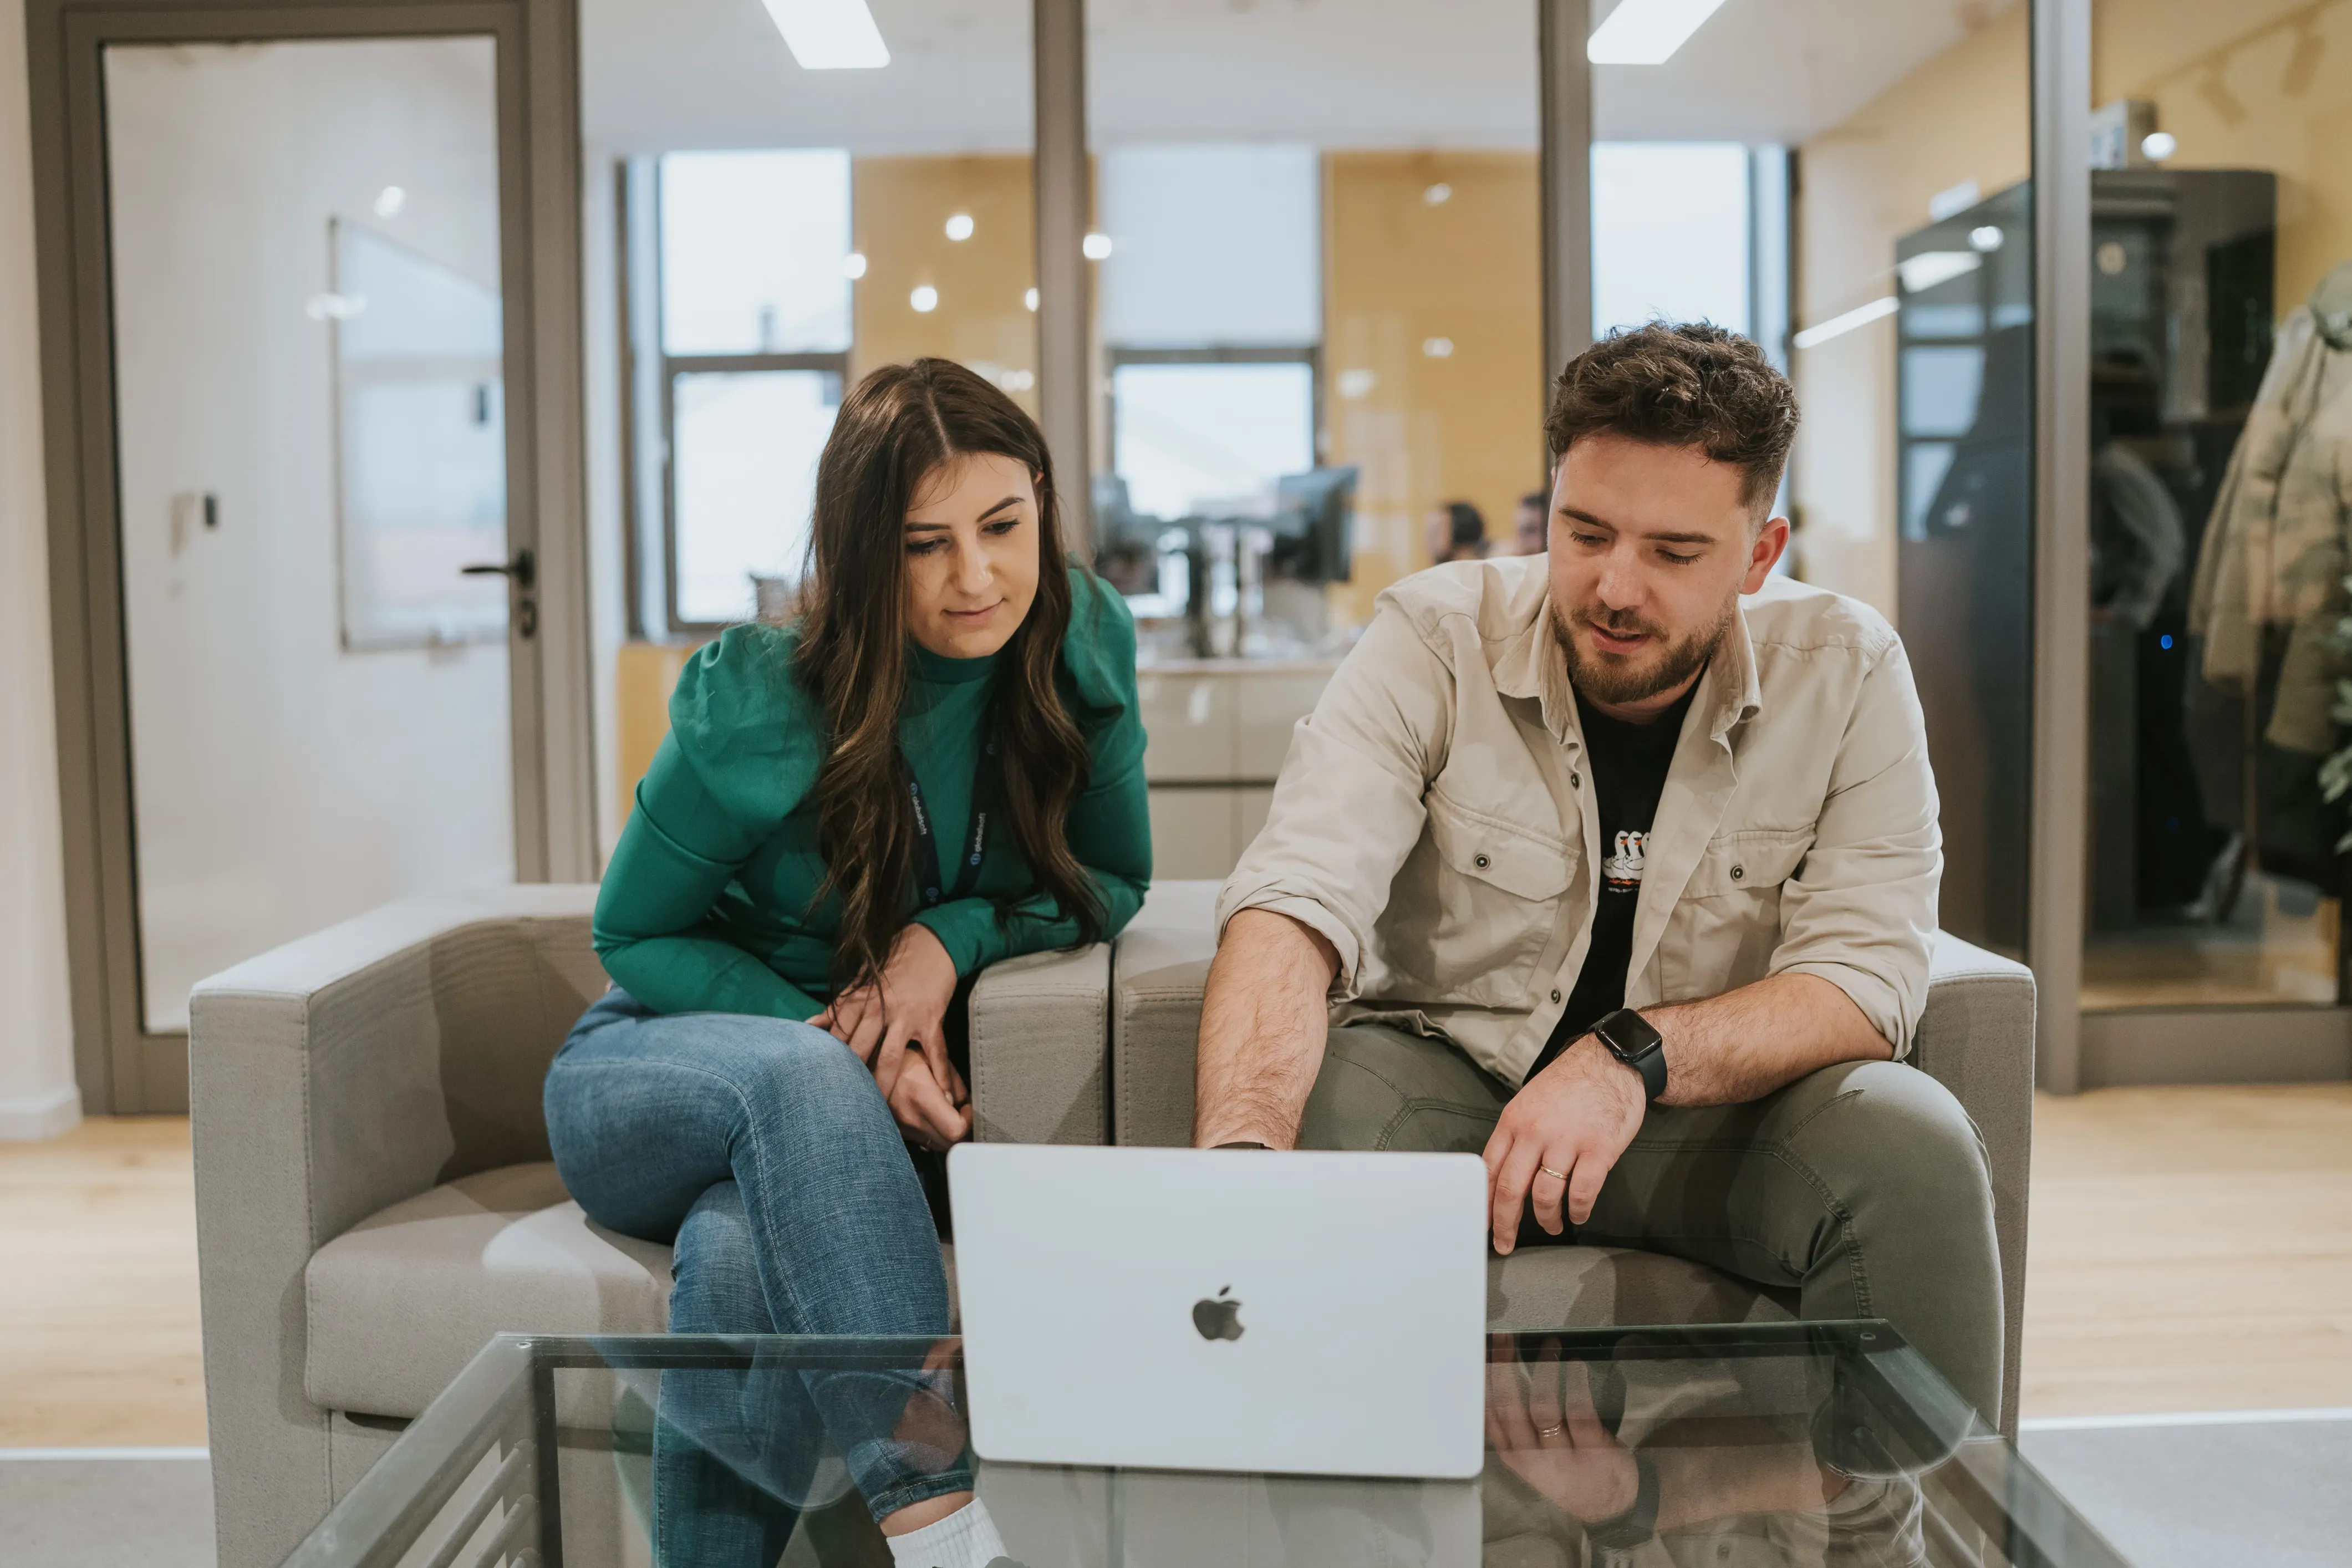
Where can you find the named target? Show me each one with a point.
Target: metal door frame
(122, 1068)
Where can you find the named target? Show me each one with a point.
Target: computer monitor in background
(1313, 524)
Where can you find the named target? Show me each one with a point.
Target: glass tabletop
(1735, 1446)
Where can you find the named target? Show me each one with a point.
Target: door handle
(523, 570)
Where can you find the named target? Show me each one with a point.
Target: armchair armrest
(332, 1078)
(1976, 1038)
(1038, 1026)
(1158, 968)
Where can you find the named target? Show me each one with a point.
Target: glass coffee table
(1817, 1443)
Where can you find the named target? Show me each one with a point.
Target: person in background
(1535, 523)
(936, 765)
(1457, 532)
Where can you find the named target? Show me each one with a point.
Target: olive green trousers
(1861, 1189)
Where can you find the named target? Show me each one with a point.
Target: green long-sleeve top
(706, 905)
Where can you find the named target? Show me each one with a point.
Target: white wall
(37, 1097)
(282, 782)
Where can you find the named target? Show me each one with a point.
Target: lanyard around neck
(934, 886)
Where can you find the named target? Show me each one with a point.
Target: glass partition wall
(2221, 428)
(791, 224)
(1318, 314)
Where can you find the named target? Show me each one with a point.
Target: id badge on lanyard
(934, 886)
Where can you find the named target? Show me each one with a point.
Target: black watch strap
(1245, 1144)
(1635, 1041)
(1638, 1523)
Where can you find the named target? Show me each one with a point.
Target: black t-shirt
(1627, 765)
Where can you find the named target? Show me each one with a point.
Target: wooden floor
(2192, 1250)
(98, 1336)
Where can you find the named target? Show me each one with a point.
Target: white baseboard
(29, 1117)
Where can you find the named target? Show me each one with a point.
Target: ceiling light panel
(1646, 32)
(829, 35)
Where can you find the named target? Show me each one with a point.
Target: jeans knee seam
(1856, 1268)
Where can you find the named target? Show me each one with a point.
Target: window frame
(1308, 355)
(672, 367)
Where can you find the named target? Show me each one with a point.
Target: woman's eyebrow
(914, 522)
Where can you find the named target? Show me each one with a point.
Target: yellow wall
(645, 674)
(1965, 115)
(899, 208)
(2227, 84)
(1399, 272)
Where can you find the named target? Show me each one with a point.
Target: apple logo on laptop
(1218, 1317)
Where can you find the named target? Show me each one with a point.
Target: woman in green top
(938, 764)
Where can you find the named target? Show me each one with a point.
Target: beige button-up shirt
(1436, 819)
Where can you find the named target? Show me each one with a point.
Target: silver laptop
(1172, 1309)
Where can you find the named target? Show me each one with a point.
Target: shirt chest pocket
(1727, 924)
(1494, 900)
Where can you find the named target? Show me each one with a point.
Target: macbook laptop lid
(1296, 1313)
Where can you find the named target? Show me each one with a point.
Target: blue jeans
(762, 1149)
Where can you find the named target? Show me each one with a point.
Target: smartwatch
(1638, 1524)
(1634, 1041)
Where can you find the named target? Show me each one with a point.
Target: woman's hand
(905, 1015)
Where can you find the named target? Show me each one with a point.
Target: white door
(305, 267)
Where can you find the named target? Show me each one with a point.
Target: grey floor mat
(107, 1513)
(2278, 1494)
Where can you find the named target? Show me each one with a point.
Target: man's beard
(1623, 680)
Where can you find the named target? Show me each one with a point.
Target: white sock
(965, 1538)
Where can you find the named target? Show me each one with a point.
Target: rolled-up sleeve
(1348, 804)
(1861, 910)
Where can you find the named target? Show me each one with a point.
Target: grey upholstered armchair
(1976, 1037)
(375, 1198)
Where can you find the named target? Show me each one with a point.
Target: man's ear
(1764, 554)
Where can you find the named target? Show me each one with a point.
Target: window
(755, 331)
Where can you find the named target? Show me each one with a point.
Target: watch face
(1627, 1034)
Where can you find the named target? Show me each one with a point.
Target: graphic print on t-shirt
(1620, 869)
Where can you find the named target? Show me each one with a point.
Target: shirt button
(1737, 872)
(1482, 864)
(1555, 995)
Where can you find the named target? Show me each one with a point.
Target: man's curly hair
(1686, 384)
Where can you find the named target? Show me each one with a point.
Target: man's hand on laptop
(1559, 1137)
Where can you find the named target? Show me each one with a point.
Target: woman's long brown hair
(896, 429)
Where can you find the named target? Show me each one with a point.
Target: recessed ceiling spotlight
(852, 266)
(2158, 145)
(1437, 348)
(925, 298)
(1438, 194)
(959, 227)
(1986, 238)
(829, 35)
(1096, 247)
(1646, 32)
(391, 201)
(1030, 299)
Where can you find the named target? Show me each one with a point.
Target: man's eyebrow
(1663, 536)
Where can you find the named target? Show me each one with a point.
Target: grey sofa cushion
(399, 1303)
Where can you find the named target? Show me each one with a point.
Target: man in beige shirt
(1618, 867)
